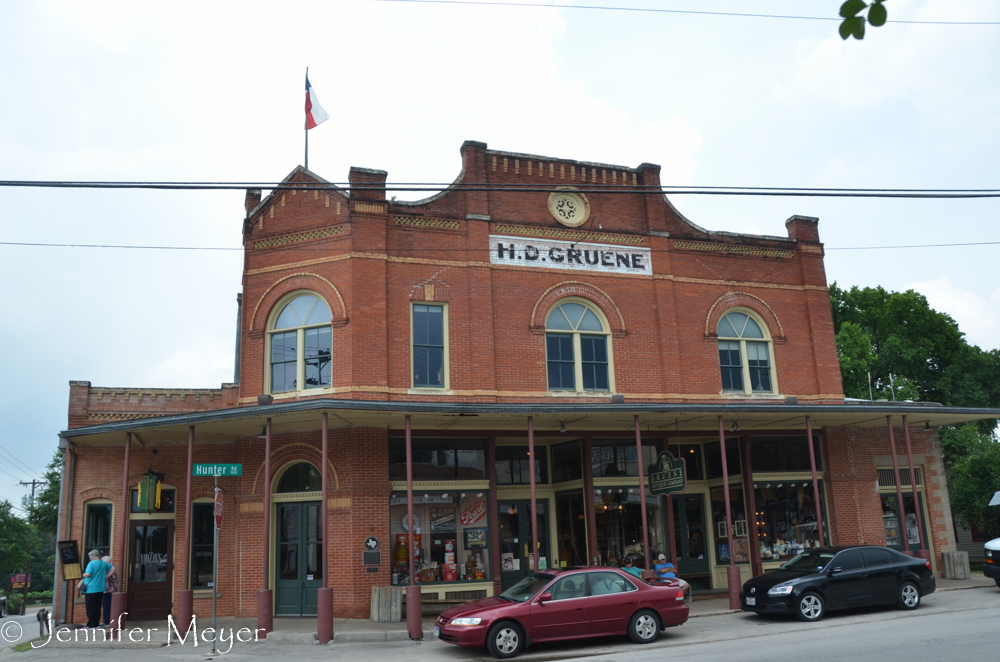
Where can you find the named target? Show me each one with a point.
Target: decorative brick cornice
(569, 235)
(283, 240)
(417, 221)
(733, 249)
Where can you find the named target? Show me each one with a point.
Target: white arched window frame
(578, 351)
(746, 353)
(298, 347)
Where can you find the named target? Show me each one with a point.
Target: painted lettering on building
(578, 255)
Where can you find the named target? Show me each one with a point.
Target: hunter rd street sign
(668, 476)
(220, 470)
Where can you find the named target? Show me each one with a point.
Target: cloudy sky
(213, 91)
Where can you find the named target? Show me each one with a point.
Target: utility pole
(27, 567)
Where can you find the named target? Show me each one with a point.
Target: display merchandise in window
(890, 520)
(451, 534)
(619, 526)
(739, 546)
(786, 518)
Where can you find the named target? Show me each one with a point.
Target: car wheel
(505, 640)
(810, 607)
(909, 596)
(997, 580)
(644, 627)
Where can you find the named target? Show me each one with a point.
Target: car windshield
(814, 560)
(527, 587)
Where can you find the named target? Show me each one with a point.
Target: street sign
(668, 476)
(227, 469)
(218, 508)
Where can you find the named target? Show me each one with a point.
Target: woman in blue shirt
(93, 586)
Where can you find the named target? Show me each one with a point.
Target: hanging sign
(668, 476)
(473, 513)
(218, 508)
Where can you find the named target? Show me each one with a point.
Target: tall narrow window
(202, 544)
(97, 528)
(301, 345)
(429, 364)
(577, 349)
(744, 354)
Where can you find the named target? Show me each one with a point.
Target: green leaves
(854, 24)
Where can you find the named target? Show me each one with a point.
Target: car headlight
(780, 590)
(989, 553)
(466, 621)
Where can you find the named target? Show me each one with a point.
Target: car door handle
(864, 576)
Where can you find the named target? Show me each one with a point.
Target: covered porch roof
(303, 415)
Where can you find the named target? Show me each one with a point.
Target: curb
(373, 637)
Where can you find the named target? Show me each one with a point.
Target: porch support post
(923, 550)
(493, 501)
(671, 538)
(588, 502)
(265, 600)
(732, 572)
(414, 607)
(756, 566)
(812, 466)
(899, 489)
(119, 602)
(642, 498)
(185, 597)
(534, 505)
(324, 594)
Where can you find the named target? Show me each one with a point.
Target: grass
(26, 646)
(976, 567)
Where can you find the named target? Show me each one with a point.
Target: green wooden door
(298, 557)
(689, 533)
(514, 520)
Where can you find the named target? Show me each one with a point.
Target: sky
(213, 91)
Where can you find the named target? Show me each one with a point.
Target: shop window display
(439, 459)
(777, 454)
(570, 517)
(452, 537)
(786, 518)
(616, 457)
(739, 545)
(619, 526)
(713, 459)
(512, 465)
(890, 519)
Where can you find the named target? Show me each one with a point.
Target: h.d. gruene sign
(577, 255)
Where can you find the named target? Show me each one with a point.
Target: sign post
(216, 470)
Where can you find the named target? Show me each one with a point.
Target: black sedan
(831, 578)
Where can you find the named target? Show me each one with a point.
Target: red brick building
(532, 289)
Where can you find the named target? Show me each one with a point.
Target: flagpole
(306, 124)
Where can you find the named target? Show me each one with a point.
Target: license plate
(437, 631)
(751, 602)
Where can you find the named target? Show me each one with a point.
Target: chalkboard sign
(69, 556)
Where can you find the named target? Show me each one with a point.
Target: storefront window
(452, 537)
(740, 544)
(619, 526)
(98, 528)
(776, 454)
(439, 459)
(566, 463)
(512, 465)
(616, 457)
(890, 519)
(202, 544)
(572, 528)
(786, 518)
(713, 458)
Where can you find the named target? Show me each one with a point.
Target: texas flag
(315, 115)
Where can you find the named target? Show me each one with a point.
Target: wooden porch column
(265, 599)
(494, 505)
(732, 572)
(534, 502)
(899, 489)
(642, 498)
(324, 594)
(923, 550)
(588, 501)
(118, 600)
(756, 566)
(812, 466)
(185, 597)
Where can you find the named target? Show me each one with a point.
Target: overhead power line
(431, 250)
(31, 471)
(652, 10)
(500, 187)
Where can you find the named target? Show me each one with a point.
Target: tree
(45, 512)
(973, 477)
(15, 536)
(854, 25)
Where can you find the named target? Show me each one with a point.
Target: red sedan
(567, 604)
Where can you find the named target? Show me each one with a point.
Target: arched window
(299, 340)
(744, 354)
(577, 348)
(300, 477)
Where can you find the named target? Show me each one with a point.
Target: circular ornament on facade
(569, 207)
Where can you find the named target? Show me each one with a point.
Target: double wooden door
(689, 533)
(299, 568)
(516, 560)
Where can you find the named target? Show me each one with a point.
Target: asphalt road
(947, 625)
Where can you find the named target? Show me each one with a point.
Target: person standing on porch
(94, 579)
(110, 586)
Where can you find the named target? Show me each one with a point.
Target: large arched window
(299, 340)
(300, 477)
(744, 354)
(577, 348)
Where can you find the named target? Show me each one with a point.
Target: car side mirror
(544, 597)
(834, 571)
